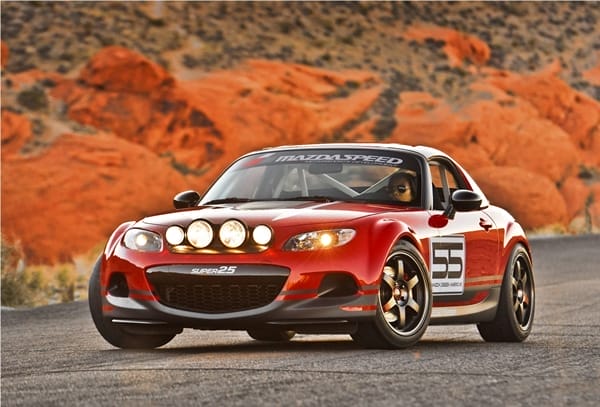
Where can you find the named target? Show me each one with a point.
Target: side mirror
(463, 200)
(186, 199)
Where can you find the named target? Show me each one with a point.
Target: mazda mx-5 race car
(373, 240)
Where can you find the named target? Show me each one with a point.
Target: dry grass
(27, 286)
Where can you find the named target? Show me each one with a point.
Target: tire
(270, 334)
(516, 307)
(112, 333)
(403, 304)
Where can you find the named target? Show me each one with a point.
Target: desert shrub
(33, 98)
(65, 283)
(30, 286)
(20, 286)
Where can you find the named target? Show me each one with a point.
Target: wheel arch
(405, 290)
(115, 237)
(513, 235)
(515, 309)
(393, 232)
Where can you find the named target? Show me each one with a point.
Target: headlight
(200, 234)
(262, 235)
(175, 235)
(232, 233)
(142, 240)
(318, 240)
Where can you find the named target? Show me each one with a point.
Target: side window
(444, 181)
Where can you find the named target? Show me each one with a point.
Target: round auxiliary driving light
(262, 235)
(175, 235)
(200, 234)
(232, 233)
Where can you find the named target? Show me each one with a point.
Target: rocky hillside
(109, 109)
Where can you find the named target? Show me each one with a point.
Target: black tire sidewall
(506, 311)
(95, 304)
(111, 333)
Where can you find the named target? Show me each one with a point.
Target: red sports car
(372, 240)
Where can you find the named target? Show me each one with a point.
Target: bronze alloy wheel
(401, 296)
(404, 303)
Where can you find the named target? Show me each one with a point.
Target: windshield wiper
(227, 200)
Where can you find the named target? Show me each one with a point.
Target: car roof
(425, 151)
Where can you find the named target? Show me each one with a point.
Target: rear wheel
(270, 334)
(516, 307)
(114, 334)
(404, 302)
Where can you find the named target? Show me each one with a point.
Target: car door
(464, 255)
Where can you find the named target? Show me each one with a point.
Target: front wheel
(404, 302)
(516, 307)
(112, 333)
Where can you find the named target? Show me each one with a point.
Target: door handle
(485, 224)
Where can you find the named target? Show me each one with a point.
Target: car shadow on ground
(312, 345)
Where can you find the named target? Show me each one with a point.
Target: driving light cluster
(142, 240)
(232, 234)
(319, 240)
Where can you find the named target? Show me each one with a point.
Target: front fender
(115, 238)
(385, 233)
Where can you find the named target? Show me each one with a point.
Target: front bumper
(309, 315)
(236, 297)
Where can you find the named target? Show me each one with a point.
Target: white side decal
(447, 264)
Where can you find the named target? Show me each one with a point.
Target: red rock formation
(422, 119)
(89, 184)
(593, 75)
(517, 156)
(594, 209)
(576, 195)
(16, 131)
(221, 115)
(27, 78)
(117, 69)
(577, 114)
(514, 134)
(3, 54)
(270, 103)
(68, 198)
(458, 46)
(533, 199)
(520, 136)
(500, 128)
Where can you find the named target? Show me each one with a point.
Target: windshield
(383, 176)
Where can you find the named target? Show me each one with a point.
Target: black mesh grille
(217, 294)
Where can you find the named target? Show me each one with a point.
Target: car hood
(274, 213)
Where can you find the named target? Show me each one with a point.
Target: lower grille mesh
(218, 294)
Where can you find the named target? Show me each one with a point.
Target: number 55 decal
(447, 261)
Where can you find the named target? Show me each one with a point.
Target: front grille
(216, 294)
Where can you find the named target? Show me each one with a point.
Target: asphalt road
(53, 356)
